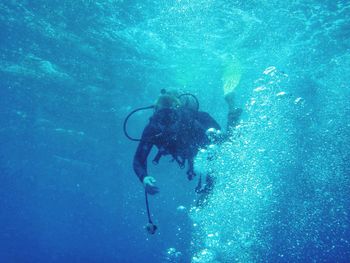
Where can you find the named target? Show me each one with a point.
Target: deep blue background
(70, 71)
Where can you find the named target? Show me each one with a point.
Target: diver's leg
(209, 184)
(233, 112)
(190, 172)
(205, 191)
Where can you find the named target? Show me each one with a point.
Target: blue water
(70, 71)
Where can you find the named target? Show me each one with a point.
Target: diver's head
(167, 100)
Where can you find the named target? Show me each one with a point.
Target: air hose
(127, 118)
(150, 227)
(193, 96)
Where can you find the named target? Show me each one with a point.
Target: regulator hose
(193, 96)
(150, 227)
(126, 121)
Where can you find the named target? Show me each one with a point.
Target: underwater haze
(71, 71)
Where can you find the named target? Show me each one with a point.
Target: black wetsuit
(179, 133)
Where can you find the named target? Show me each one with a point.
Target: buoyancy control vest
(178, 133)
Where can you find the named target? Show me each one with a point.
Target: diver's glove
(149, 184)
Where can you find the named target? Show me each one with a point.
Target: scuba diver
(177, 128)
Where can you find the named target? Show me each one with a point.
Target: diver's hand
(149, 184)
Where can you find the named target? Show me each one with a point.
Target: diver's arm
(140, 165)
(140, 159)
(142, 152)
